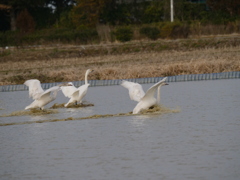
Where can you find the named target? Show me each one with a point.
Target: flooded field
(198, 138)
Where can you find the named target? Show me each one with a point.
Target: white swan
(41, 97)
(76, 95)
(135, 90)
(147, 100)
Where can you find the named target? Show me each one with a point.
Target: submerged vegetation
(31, 112)
(154, 110)
(55, 106)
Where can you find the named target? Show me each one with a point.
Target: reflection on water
(200, 142)
(139, 121)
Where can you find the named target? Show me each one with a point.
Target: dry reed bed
(133, 65)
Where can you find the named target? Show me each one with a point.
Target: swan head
(164, 83)
(121, 81)
(70, 84)
(89, 71)
(66, 84)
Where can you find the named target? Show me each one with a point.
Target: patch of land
(120, 60)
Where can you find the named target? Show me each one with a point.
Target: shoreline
(93, 83)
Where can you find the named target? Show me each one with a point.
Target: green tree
(87, 12)
(232, 7)
(17, 6)
(154, 12)
(114, 13)
(25, 22)
(187, 11)
(60, 6)
(132, 12)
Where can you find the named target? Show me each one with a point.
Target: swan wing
(135, 90)
(151, 91)
(82, 91)
(48, 92)
(75, 94)
(136, 93)
(35, 89)
(127, 84)
(52, 89)
(68, 90)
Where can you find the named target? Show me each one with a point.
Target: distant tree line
(36, 21)
(28, 15)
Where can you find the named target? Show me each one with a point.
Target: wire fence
(178, 78)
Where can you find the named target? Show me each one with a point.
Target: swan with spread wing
(145, 100)
(41, 97)
(76, 95)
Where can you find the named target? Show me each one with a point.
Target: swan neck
(158, 95)
(86, 80)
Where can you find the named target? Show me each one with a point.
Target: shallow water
(200, 142)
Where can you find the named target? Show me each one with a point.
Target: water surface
(200, 142)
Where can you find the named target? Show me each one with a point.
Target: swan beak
(65, 84)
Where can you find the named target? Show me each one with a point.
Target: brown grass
(123, 66)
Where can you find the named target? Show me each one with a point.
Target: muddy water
(199, 142)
